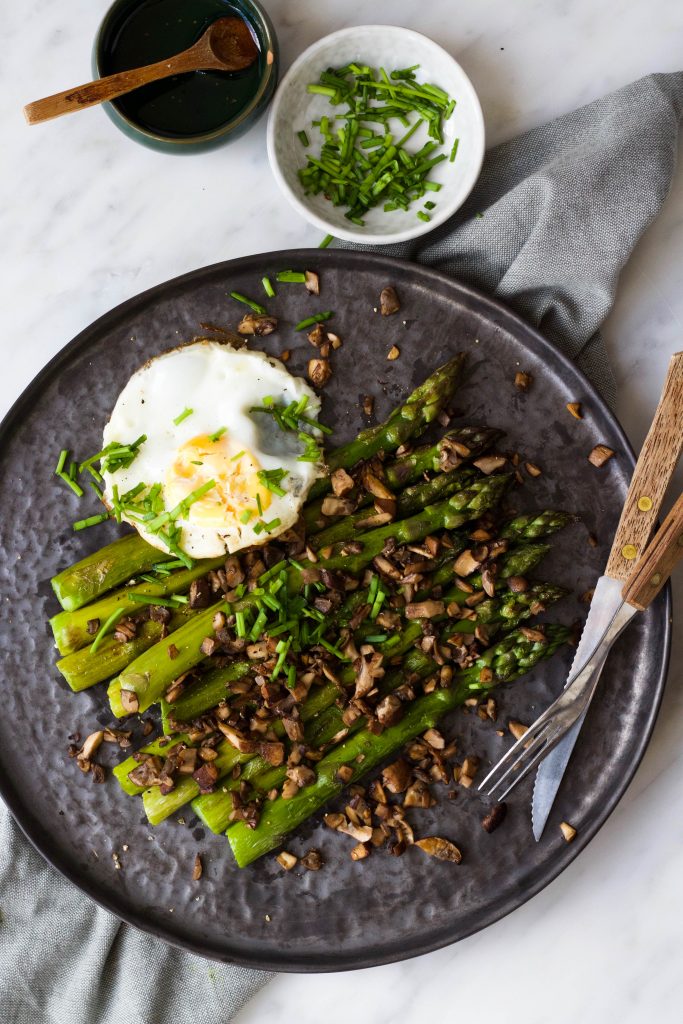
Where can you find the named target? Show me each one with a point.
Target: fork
(650, 574)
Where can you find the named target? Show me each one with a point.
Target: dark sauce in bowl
(187, 106)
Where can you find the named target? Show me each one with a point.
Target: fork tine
(538, 757)
(533, 730)
(527, 748)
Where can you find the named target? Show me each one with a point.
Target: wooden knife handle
(659, 560)
(654, 469)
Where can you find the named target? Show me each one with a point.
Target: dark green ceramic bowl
(193, 112)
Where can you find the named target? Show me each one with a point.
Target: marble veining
(88, 219)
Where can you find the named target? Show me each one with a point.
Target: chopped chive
(333, 650)
(378, 638)
(238, 456)
(259, 623)
(429, 205)
(255, 306)
(303, 138)
(272, 525)
(291, 677)
(454, 150)
(423, 216)
(196, 462)
(240, 625)
(267, 287)
(271, 480)
(75, 487)
(291, 277)
(326, 241)
(105, 627)
(83, 524)
(165, 602)
(259, 527)
(183, 416)
(321, 90)
(63, 455)
(259, 506)
(312, 320)
(218, 434)
(246, 515)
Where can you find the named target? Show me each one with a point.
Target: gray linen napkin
(562, 208)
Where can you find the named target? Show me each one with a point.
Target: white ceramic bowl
(293, 109)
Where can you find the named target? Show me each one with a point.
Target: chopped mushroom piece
(568, 831)
(466, 563)
(197, 869)
(517, 729)
(424, 609)
(434, 738)
(442, 849)
(517, 584)
(368, 409)
(334, 340)
(316, 335)
(490, 463)
(334, 506)
(575, 409)
(312, 860)
(341, 482)
(494, 818)
(523, 381)
(388, 301)
(286, 860)
(319, 371)
(396, 777)
(312, 282)
(360, 852)
(260, 325)
(600, 455)
(393, 353)
(129, 700)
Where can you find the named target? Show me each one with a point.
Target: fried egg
(228, 476)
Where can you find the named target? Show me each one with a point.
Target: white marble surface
(88, 219)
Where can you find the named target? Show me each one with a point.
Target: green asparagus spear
(159, 747)
(531, 525)
(104, 569)
(151, 674)
(70, 629)
(83, 670)
(407, 421)
(408, 502)
(408, 469)
(363, 751)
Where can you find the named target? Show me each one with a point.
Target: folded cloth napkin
(563, 206)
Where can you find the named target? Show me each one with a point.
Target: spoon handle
(110, 87)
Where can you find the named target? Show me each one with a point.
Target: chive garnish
(166, 602)
(267, 287)
(63, 455)
(255, 306)
(105, 627)
(246, 515)
(310, 321)
(183, 416)
(326, 241)
(259, 506)
(218, 434)
(83, 524)
(423, 216)
(454, 150)
(271, 480)
(291, 277)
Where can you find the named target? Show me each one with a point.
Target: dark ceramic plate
(348, 915)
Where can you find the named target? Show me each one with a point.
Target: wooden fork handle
(654, 469)
(107, 88)
(659, 560)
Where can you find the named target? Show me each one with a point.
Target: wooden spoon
(227, 45)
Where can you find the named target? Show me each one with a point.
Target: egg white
(221, 385)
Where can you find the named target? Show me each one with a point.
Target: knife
(609, 608)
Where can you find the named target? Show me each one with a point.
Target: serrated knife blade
(604, 605)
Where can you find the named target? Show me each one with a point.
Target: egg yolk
(235, 472)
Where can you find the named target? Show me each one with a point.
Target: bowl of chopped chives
(376, 134)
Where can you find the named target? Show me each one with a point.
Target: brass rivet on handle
(656, 579)
(629, 551)
(644, 503)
